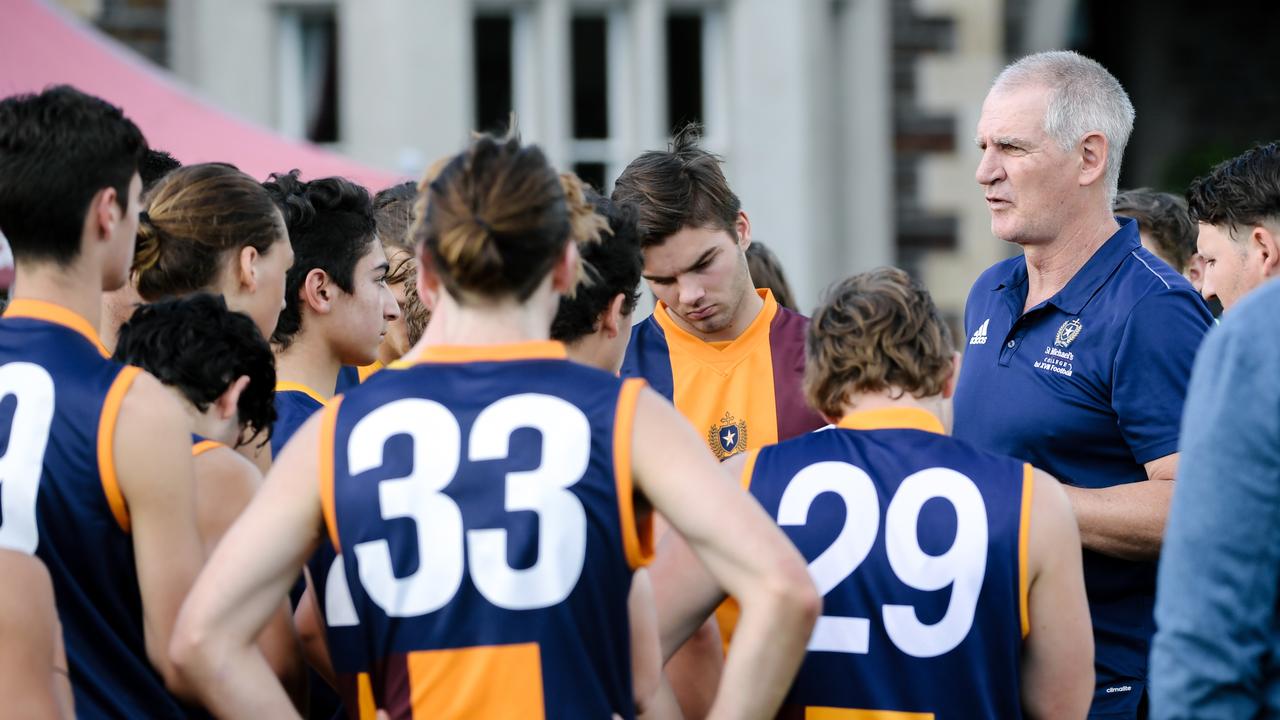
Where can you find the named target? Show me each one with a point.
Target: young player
(594, 323)
(952, 576)
(223, 373)
(97, 462)
(492, 450)
(118, 305)
(337, 305)
(725, 354)
(211, 228)
(393, 213)
(729, 357)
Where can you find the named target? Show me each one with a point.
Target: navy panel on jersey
(518, 542)
(923, 495)
(81, 520)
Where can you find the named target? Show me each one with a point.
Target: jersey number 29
(963, 566)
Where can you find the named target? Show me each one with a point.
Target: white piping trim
(1167, 286)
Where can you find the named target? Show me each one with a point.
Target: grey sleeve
(1220, 566)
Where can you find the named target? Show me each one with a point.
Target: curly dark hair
(195, 344)
(611, 265)
(154, 166)
(1165, 220)
(1241, 192)
(875, 331)
(58, 149)
(331, 226)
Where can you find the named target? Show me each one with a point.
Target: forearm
(694, 670)
(1124, 521)
(768, 646)
(237, 683)
(661, 705)
(280, 648)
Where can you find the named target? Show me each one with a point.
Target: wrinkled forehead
(1014, 109)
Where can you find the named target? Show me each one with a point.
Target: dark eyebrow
(703, 259)
(383, 269)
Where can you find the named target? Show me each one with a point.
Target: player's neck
(205, 424)
(590, 351)
(496, 323)
(1051, 265)
(309, 361)
(73, 287)
(893, 398)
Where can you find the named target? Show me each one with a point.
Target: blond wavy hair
(876, 331)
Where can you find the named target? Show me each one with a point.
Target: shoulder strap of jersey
(637, 538)
(1024, 548)
(328, 427)
(106, 445)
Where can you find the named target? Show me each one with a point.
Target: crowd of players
(287, 448)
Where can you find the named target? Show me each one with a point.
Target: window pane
(590, 70)
(592, 173)
(493, 73)
(684, 70)
(320, 74)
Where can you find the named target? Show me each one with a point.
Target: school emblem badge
(728, 436)
(1068, 332)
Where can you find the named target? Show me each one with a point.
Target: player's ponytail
(194, 217)
(146, 252)
(495, 220)
(586, 225)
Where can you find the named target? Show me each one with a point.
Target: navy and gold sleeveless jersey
(295, 403)
(742, 394)
(201, 445)
(481, 501)
(918, 542)
(60, 396)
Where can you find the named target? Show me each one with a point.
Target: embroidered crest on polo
(980, 335)
(1069, 331)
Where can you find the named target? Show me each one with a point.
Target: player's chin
(710, 324)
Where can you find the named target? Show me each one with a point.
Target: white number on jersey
(23, 461)
(442, 546)
(963, 566)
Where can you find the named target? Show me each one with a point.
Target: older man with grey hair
(1080, 349)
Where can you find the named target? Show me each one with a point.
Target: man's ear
(104, 213)
(317, 291)
(743, 228)
(247, 268)
(564, 274)
(228, 402)
(1093, 158)
(949, 385)
(1265, 244)
(427, 281)
(611, 319)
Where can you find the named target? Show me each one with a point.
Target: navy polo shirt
(1087, 386)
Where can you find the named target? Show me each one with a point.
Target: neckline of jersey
(734, 348)
(893, 418)
(499, 352)
(288, 386)
(58, 315)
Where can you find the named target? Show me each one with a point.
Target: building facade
(845, 124)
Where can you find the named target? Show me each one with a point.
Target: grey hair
(1083, 98)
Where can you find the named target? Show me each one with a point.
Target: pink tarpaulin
(42, 45)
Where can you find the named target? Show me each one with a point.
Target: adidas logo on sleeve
(980, 337)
